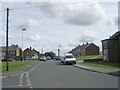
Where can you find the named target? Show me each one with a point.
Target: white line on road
(3, 76)
(19, 72)
(9, 76)
(33, 68)
(28, 79)
(21, 80)
(27, 75)
(22, 73)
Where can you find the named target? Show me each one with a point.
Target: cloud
(3, 35)
(88, 36)
(32, 35)
(73, 44)
(28, 24)
(73, 13)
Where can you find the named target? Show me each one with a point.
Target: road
(52, 74)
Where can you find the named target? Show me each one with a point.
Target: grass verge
(106, 65)
(89, 57)
(16, 65)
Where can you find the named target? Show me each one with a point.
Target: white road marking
(3, 76)
(27, 75)
(21, 80)
(28, 79)
(33, 68)
(20, 72)
(6, 76)
(21, 76)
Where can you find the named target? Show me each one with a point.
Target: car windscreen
(69, 56)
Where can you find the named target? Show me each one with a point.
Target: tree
(51, 54)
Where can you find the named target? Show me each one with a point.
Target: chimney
(87, 43)
(30, 48)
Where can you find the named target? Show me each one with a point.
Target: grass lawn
(88, 57)
(16, 65)
(106, 65)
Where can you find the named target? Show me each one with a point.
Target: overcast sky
(50, 24)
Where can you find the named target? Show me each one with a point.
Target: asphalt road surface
(52, 74)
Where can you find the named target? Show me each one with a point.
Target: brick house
(85, 49)
(111, 48)
(14, 52)
(30, 53)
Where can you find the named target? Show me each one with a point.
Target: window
(70, 56)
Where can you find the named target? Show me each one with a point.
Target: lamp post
(22, 47)
(59, 50)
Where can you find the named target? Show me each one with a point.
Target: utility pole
(7, 27)
(22, 48)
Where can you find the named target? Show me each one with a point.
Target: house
(30, 53)
(14, 52)
(36, 54)
(111, 48)
(85, 49)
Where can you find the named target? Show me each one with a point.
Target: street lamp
(59, 50)
(22, 47)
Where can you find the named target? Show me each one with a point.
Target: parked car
(68, 59)
(42, 58)
(9, 59)
(48, 57)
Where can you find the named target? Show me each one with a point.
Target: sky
(51, 24)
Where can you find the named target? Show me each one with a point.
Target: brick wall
(92, 50)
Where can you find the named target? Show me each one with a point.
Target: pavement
(100, 70)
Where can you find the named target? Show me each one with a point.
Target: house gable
(85, 49)
(92, 49)
(30, 53)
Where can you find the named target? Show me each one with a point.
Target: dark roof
(32, 50)
(115, 36)
(85, 46)
(10, 48)
(35, 51)
(27, 49)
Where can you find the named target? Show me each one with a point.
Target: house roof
(32, 50)
(115, 36)
(35, 51)
(84, 46)
(10, 48)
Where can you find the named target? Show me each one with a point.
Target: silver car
(42, 58)
(68, 59)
